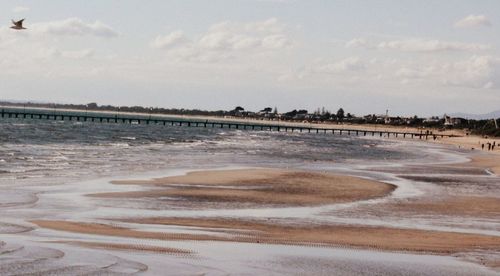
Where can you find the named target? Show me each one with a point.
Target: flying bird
(18, 25)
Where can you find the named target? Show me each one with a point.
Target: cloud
(169, 40)
(51, 53)
(267, 34)
(357, 43)
(352, 64)
(412, 73)
(20, 9)
(425, 45)
(417, 45)
(226, 40)
(74, 27)
(473, 21)
(474, 72)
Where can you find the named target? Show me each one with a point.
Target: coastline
(265, 207)
(197, 187)
(485, 159)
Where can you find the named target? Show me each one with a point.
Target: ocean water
(41, 149)
(47, 168)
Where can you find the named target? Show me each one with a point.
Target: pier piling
(102, 117)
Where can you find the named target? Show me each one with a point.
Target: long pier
(132, 118)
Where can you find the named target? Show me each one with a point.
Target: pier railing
(147, 119)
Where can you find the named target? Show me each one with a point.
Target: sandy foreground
(260, 186)
(458, 206)
(130, 247)
(381, 238)
(291, 188)
(286, 188)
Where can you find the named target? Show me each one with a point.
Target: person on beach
(482, 146)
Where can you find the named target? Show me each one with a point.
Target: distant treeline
(479, 127)
(136, 109)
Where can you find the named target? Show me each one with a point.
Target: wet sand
(259, 186)
(130, 247)
(459, 206)
(269, 186)
(380, 238)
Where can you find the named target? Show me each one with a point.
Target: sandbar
(259, 186)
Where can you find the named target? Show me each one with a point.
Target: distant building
(432, 120)
(450, 121)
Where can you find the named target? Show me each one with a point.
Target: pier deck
(132, 118)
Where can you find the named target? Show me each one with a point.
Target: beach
(234, 202)
(263, 137)
(268, 187)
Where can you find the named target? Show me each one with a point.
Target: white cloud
(473, 21)
(413, 73)
(473, 72)
(352, 64)
(20, 9)
(476, 72)
(169, 40)
(278, 41)
(357, 43)
(74, 27)
(425, 45)
(51, 53)
(417, 45)
(271, 25)
(226, 40)
(267, 34)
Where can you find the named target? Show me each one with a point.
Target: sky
(409, 57)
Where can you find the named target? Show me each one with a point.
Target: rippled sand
(382, 238)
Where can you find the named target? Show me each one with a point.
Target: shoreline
(384, 238)
(479, 158)
(257, 187)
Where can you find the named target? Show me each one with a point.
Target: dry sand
(482, 158)
(489, 161)
(381, 238)
(260, 186)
